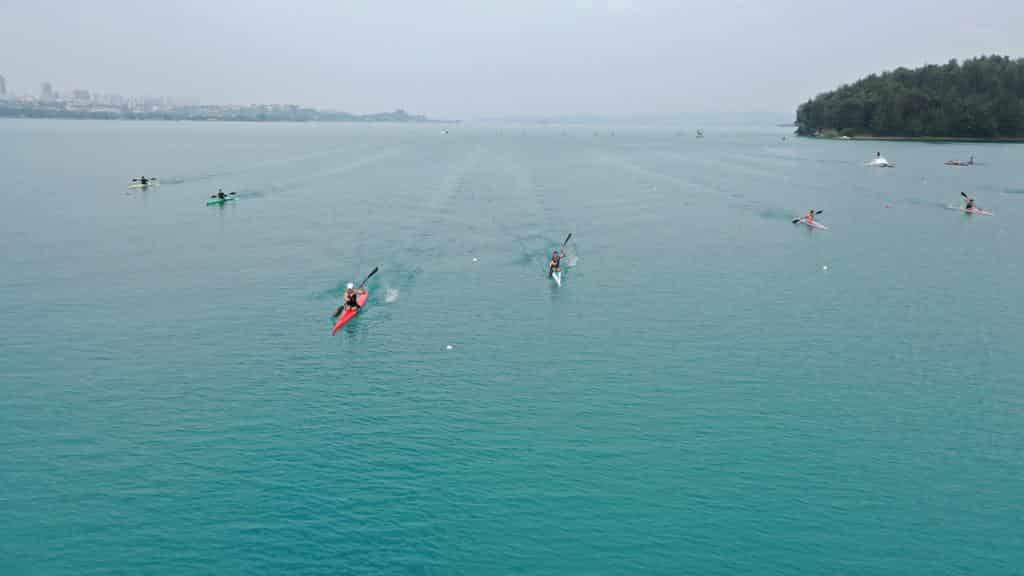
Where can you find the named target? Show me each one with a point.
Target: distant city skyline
(47, 90)
(81, 103)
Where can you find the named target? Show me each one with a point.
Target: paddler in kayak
(144, 181)
(351, 299)
(556, 261)
(970, 204)
(810, 216)
(220, 194)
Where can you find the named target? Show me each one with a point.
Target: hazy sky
(478, 59)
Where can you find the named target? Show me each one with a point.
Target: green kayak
(216, 201)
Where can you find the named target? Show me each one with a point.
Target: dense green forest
(979, 98)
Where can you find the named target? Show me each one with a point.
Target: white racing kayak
(813, 224)
(971, 210)
(557, 276)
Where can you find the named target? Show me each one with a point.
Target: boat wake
(391, 295)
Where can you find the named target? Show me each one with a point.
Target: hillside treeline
(979, 98)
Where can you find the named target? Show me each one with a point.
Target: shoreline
(231, 120)
(934, 139)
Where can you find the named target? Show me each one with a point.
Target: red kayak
(350, 313)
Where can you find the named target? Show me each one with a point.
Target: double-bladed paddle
(368, 276)
(802, 217)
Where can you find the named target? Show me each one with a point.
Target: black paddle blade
(566, 239)
(368, 276)
(964, 195)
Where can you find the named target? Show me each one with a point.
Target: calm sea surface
(713, 390)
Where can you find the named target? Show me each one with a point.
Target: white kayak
(971, 210)
(880, 163)
(814, 224)
(557, 277)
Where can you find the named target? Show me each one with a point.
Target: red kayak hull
(350, 313)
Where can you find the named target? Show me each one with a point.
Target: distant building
(80, 95)
(3, 86)
(46, 91)
(108, 99)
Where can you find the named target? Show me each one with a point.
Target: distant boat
(844, 137)
(700, 133)
(960, 162)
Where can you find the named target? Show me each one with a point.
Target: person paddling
(556, 261)
(970, 203)
(220, 197)
(351, 296)
(351, 299)
(809, 218)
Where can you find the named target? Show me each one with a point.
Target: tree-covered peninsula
(981, 98)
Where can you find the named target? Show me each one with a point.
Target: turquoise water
(701, 396)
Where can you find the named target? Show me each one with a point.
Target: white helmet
(350, 286)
